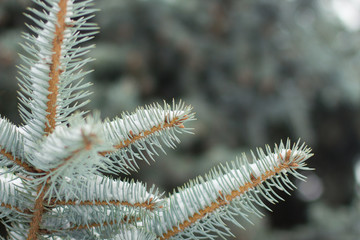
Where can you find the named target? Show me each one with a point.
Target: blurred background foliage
(255, 71)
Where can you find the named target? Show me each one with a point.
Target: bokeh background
(255, 71)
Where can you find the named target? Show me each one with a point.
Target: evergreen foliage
(54, 168)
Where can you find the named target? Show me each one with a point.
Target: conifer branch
(17, 161)
(11, 146)
(238, 187)
(80, 227)
(175, 122)
(17, 209)
(11, 207)
(226, 199)
(73, 228)
(51, 84)
(168, 123)
(137, 136)
(100, 191)
(52, 169)
(55, 69)
(50, 108)
(149, 205)
(37, 214)
(12, 193)
(109, 218)
(95, 225)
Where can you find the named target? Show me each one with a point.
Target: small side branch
(79, 227)
(143, 134)
(89, 226)
(250, 176)
(17, 161)
(149, 205)
(9, 206)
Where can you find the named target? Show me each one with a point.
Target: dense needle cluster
(52, 168)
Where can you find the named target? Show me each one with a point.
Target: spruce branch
(230, 191)
(52, 169)
(101, 191)
(11, 146)
(11, 185)
(51, 84)
(45, 81)
(137, 135)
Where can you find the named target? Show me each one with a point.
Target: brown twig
(17, 161)
(150, 205)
